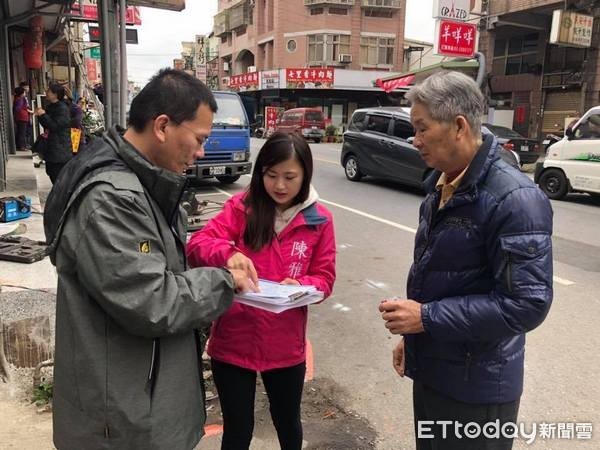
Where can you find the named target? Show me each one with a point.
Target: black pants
(430, 405)
(53, 169)
(237, 386)
(21, 134)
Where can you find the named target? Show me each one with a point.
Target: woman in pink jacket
(275, 230)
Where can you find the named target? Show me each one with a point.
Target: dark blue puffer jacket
(483, 271)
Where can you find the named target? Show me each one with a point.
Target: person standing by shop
(21, 113)
(56, 119)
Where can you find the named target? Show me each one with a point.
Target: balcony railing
(329, 2)
(382, 4)
(221, 25)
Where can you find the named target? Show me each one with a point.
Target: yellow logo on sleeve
(145, 247)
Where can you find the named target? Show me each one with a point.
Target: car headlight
(239, 156)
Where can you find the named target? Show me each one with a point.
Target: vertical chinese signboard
(309, 78)
(271, 114)
(92, 72)
(455, 38)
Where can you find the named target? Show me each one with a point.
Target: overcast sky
(162, 32)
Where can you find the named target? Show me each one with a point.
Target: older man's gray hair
(448, 94)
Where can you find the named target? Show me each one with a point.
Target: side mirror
(569, 133)
(410, 140)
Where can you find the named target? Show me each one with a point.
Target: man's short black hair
(172, 92)
(24, 84)
(19, 91)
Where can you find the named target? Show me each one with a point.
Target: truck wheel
(352, 169)
(554, 184)
(227, 179)
(317, 140)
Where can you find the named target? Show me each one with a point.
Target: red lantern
(33, 43)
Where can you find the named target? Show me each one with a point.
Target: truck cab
(573, 163)
(227, 149)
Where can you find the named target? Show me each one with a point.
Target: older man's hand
(402, 316)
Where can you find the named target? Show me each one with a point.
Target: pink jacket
(305, 250)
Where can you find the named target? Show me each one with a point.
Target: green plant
(42, 394)
(330, 130)
(92, 123)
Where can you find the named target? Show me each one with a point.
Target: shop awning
(403, 80)
(395, 83)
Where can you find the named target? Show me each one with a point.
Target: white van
(573, 163)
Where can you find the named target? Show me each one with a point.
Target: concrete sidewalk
(23, 179)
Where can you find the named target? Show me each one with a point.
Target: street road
(369, 405)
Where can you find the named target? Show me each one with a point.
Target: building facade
(544, 85)
(328, 39)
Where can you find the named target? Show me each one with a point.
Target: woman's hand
(39, 112)
(240, 261)
(290, 281)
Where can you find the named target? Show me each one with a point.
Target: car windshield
(230, 112)
(314, 116)
(503, 132)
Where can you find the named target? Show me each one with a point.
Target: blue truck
(227, 149)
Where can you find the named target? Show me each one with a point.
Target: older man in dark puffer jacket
(481, 276)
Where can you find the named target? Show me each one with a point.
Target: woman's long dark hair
(260, 207)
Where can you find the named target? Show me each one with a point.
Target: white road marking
(224, 192)
(376, 284)
(563, 281)
(370, 216)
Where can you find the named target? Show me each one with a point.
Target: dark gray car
(378, 143)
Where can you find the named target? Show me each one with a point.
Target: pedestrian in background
(56, 120)
(481, 276)
(21, 114)
(276, 230)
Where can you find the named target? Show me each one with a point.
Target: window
(377, 50)
(403, 129)
(338, 11)
(378, 124)
(316, 11)
(291, 46)
(358, 120)
(516, 55)
(327, 47)
(387, 13)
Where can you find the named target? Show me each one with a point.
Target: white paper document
(277, 297)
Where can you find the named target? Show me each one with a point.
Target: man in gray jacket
(127, 369)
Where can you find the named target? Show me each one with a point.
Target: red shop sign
(247, 79)
(309, 78)
(455, 38)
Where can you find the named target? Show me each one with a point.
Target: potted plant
(330, 131)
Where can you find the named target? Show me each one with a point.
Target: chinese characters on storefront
(455, 38)
(571, 29)
(309, 78)
(244, 82)
(271, 114)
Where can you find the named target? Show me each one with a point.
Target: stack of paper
(277, 297)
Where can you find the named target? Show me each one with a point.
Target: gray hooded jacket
(128, 359)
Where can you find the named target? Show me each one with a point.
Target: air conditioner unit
(251, 69)
(491, 23)
(225, 81)
(344, 58)
(225, 66)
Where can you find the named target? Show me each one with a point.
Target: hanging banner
(309, 78)
(455, 38)
(395, 83)
(92, 72)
